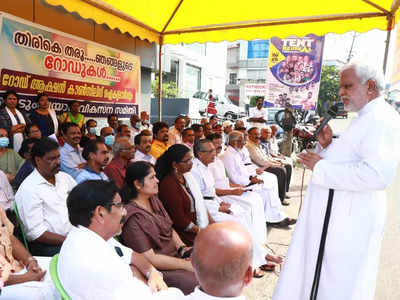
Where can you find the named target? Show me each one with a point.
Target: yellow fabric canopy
(188, 21)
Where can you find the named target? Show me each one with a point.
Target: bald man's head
(222, 258)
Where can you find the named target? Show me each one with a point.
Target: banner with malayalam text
(294, 71)
(36, 59)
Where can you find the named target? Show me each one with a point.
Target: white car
(221, 106)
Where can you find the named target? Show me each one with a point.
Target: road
(388, 287)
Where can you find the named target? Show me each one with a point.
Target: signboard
(258, 49)
(255, 89)
(294, 71)
(36, 59)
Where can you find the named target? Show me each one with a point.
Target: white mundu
(239, 214)
(358, 166)
(239, 174)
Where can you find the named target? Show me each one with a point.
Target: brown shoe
(284, 202)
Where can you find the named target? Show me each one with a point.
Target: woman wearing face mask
(44, 116)
(148, 228)
(180, 193)
(13, 120)
(10, 161)
(73, 115)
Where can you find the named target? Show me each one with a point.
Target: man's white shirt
(254, 112)
(140, 156)
(42, 206)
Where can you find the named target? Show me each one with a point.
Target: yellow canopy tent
(189, 21)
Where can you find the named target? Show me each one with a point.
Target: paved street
(389, 271)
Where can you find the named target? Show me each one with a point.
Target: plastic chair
(21, 225)
(56, 280)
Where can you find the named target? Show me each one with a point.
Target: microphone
(332, 112)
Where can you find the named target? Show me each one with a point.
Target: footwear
(287, 197)
(276, 259)
(258, 273)
(284, 202)
(282, 224)
(292, 221)
(268, 267)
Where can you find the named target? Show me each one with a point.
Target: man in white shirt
(134, 120)
(145, 121)
(228, 127)
(188, 137)
(97, 157)
(143, 146)
(175, 132)
(41, 200)
(72, 161)
(258, 115)
(357, 167)
(91, 264)
(224, 269)
(241, 174)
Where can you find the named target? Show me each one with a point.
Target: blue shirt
(23, 172)
(70, 159)
(88, 174)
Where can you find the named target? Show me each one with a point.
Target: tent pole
(160, 79)
(389, 32)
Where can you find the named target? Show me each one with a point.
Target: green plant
(169, 89)
(329, 88)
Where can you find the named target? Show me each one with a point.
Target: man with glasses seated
(91, 263)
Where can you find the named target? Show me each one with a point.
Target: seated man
(91, 134)
(123, 130)
(260, 158)
(198, 131)
(188, 137)
(270, 144)
(143, 147)
(92, 264)
(71, 158)
(96, 155)
(134, 120)
(175, 132)
(160, 139)
(108, 136)
(124, 152)
(239, 173)
(224, 269)
(41, 200)
(27, 168)
(222, 207)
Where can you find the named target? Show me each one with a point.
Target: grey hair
(118, 145)
(365, 72)
(199, 146)
(234, 136)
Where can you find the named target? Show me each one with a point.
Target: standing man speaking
(358, 166)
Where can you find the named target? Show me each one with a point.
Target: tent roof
(188, 21)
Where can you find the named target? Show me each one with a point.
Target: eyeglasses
(117, 204)
(128, 149)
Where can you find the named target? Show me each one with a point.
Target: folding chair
(21, 225)
(56, 280)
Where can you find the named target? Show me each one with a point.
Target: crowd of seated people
(157, 188)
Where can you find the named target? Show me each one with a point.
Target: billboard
(294, 71)
(36, 59)
(256, 89)
(257, 49)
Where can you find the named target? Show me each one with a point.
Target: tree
(169, 89)
(329, 88)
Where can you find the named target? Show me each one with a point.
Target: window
(232, 78)
(192, 80)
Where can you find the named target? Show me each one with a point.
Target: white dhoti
(32, 290)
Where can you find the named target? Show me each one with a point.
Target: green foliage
(169, 89)
(329, 88)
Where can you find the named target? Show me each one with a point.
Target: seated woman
(24, 276)
(73, 115)
(10, 161)
(185, 206)
(148, 228)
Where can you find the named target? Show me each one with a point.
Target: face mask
(4, 141)
(109, 140)
(92, 130)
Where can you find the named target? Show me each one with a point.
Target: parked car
(220, 106)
